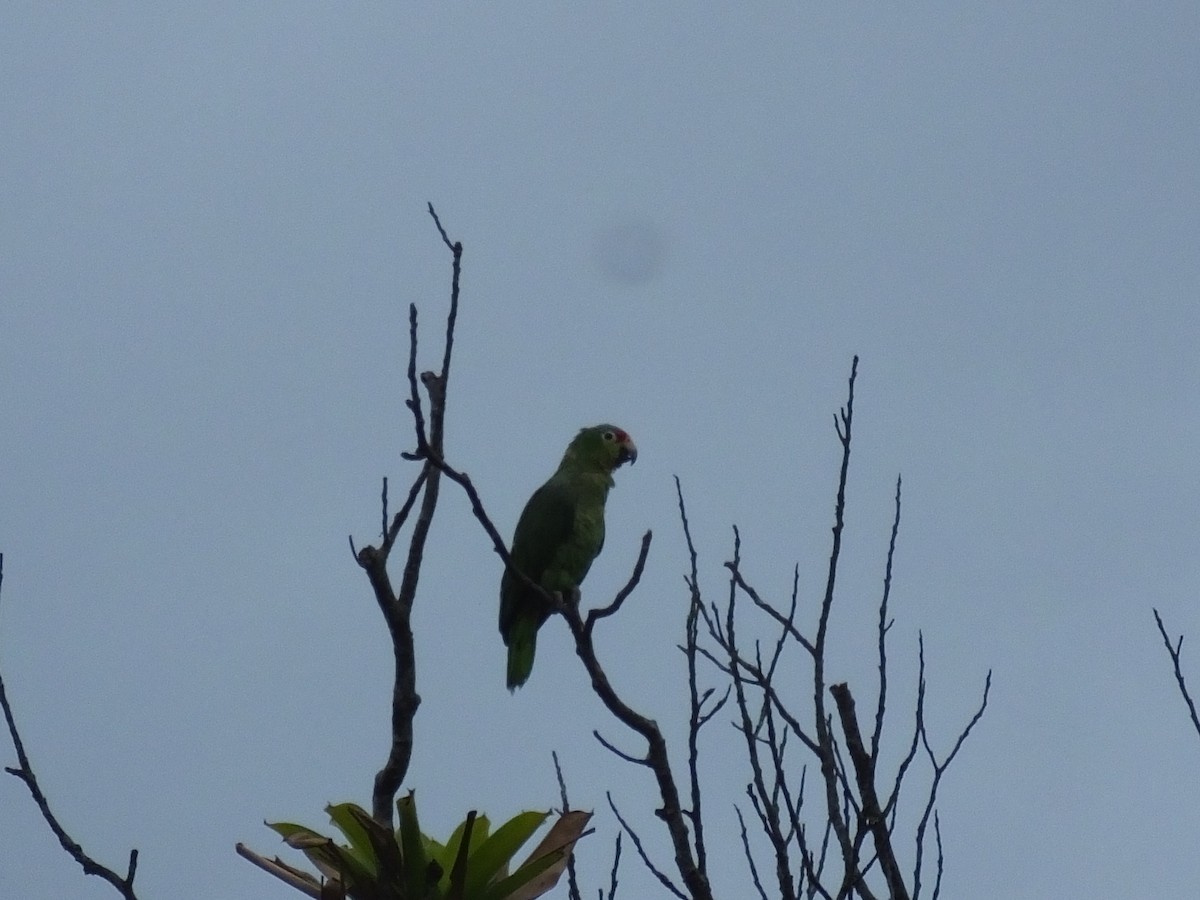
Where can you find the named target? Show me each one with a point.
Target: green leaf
(494, 854)
(505, 887)
(383, 847)
(556, 846)
(444, 853)
(343, 816)
(447, 854)
(415, 866)
(458, 871)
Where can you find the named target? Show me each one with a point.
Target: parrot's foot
(568, 598)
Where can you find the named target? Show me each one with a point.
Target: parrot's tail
(520, 656)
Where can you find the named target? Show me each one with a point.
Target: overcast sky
(682, 219)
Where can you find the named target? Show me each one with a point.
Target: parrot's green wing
(544, 528)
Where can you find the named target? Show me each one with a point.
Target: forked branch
(396, 605)
(23, 770)
(1174, 650)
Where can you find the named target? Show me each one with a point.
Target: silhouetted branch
(671, 811)
(939, 769)
(24, 772)
(788, 627)
(396, 605)
(864, 769)
(1174, 651)
(824, 737)
(612, 878)
(572, 882)
(646, 861)
(885, 626)
(761, 797)
(749, 855)
(697, 715)
(854, 818)
(393, 531)
(618, 752)
(941, 860)
(595, 615)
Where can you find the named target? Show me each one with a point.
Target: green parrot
(559, 534)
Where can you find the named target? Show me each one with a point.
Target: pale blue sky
(212, 220)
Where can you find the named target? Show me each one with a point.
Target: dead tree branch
(1174, 649)
(24, 772)
(396, 605)
(864, 770)
(698, 714)
(854, 817)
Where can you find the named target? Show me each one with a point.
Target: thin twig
(618, 752)
(612, 880)
(572, 882)
(918, 725)
(784, 621)
(622, 595)
(749, 856)
(764, 804)
(696, 716)
(646, 861)
(1174, 651)
(884, 627)
(941, 860)
(24, 771)
(824, 737)
(393, 530)
(939, 769)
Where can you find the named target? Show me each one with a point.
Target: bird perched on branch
(559, 534)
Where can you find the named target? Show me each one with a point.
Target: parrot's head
(603, 447)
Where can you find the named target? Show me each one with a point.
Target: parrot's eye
(609, 436)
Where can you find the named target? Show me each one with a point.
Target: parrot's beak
(627, 453)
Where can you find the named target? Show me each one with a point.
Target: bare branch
(788, 627)
(941, 860)
(621, 754)
(884, 626)
(1174, 650)
(637, 843)
(696, 715)
(622, 595)
(939, 769)
(864, 768)
(24, 771)
(612, 881)
(393, 530)
(396, 606)
(760, 797)
(572, 882)
(824, 737)
(671, 812)
(749, 856)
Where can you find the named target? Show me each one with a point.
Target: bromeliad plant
(379, 864)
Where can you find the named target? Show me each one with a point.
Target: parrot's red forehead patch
(622, 435)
